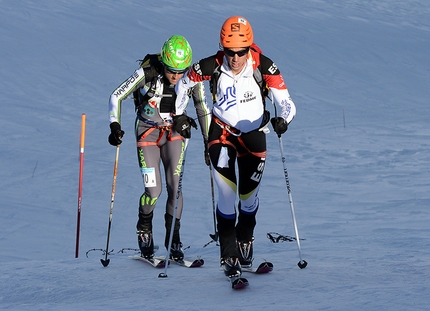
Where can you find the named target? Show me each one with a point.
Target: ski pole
(302, 263)
(215, 235)
(106, 261)
(81, 171)
(178, 193)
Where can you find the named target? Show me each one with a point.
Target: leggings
(155, 145)
(249, 150)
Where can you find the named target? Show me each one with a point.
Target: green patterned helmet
(176, 53)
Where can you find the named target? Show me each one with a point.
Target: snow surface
(358, 156)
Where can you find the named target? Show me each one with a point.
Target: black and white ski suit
(237, 134)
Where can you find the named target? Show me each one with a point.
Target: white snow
(358, 155)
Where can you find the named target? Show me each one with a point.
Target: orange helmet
(236, 32)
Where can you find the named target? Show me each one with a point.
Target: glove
(206, 153)
(279, 124)
(183, 123)
(116, 134)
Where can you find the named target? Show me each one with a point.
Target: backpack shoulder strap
(150, 60)
(217, 72)
(256, 52)
(152, 67)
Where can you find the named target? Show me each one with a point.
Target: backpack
(257, 74)
(152, 67)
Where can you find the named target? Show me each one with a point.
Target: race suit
(156, 139)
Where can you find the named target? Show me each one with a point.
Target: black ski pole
(215, 235)
(106, 261)
(178, 193)
(302, 263)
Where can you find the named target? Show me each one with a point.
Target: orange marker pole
(81, 171)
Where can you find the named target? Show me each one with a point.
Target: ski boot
(231, 267)
(144, 235)
(245, 250)
(146, 244)
(176, 251)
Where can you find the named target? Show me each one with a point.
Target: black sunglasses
(172, 71)
(240, 53)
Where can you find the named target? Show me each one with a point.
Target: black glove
(206, 153)
(183, 125)
(116, 134)
(279, 124)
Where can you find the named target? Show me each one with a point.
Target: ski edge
(157, 262)
(193, 263)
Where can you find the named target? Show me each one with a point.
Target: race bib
(148, 174)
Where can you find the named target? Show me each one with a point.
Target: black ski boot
(231, 266)
(144, 235)
(244, 236)
(245, 250)
(146, 244)
(176, 251)
(227, 237)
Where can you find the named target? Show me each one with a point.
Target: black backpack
(152, 67)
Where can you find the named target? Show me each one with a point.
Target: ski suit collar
(247, 70)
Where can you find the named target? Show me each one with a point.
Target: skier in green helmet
(160, 134)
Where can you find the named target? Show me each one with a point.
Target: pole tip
(302, 264)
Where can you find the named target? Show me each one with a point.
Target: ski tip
(239, 283)
(198, 263)
(105, 263)
(264, 267)
(160, 265)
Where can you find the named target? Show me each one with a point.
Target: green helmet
(176, 53)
